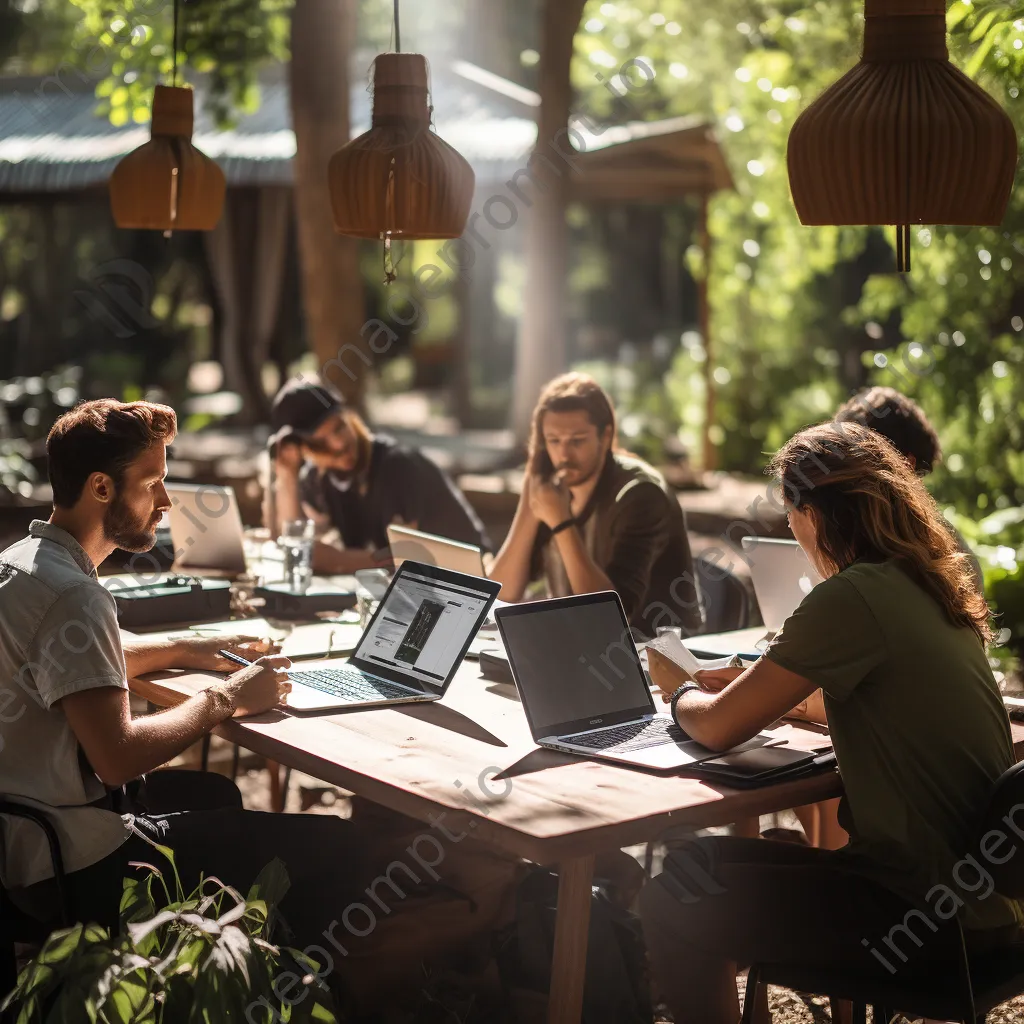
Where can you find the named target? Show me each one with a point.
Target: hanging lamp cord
(174, 51)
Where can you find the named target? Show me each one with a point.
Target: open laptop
(433, 550)
(782, 576)
(206, 529)
(411, 648)
(582, 686)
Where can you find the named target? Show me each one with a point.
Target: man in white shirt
(68, 741)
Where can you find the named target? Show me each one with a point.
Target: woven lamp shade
(903, 138)
(167, 184)
(399, 180)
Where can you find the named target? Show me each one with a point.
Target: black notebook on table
(761, 766)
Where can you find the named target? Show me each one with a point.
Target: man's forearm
(286, 504)
(153, 740)
(511, 567)
(585, 575)
(143, 656)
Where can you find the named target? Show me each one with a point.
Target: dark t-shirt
(918, 727)
(634, 530)
(399, 484)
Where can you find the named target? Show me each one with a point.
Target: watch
(685, 688)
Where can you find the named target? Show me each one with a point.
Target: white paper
(669, 645)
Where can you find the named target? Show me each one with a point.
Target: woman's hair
(868, 504)
(898, 418)
(572, 392)
(103, 436)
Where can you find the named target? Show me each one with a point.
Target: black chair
(952, 989)
(17, 926)
(723, 597)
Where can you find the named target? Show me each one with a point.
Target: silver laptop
(432, 550)
(782, 576)
(206, 529)
(582, 687)
(411, 648)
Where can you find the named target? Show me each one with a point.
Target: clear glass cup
(296, 543)
(366, 605)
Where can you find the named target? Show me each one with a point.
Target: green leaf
(139, 930)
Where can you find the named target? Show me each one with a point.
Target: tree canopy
(802, 316)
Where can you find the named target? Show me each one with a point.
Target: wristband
(562, 526)
(685, 688)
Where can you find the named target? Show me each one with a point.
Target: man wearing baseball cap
(329, 467)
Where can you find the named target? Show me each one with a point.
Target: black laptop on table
(582, 686)
(583, 690)
(411, 649)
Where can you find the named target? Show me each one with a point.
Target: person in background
(592, 517)
(895, 637)
(71, 746)
(329, 467)
(903, 423)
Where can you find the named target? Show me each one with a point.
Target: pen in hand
(236, 658)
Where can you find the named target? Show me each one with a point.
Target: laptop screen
(575, 663)
(422, 627)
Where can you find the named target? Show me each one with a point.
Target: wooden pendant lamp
(167, 184)
(399, 180)
(903, 138)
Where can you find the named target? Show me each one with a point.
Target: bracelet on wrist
(685, 688)
(564, 525)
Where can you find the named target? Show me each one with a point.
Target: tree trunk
(322, 34)
(540, 347)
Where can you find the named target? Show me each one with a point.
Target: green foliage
(203, 958)
(128, 46)
(801, 316)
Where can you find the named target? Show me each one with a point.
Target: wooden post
(332, 283)
(708, 453)
(572, 926)
(540, 346)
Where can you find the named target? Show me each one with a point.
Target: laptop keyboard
(347, 682)
(631, 736)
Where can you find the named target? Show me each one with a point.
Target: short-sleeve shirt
(634, 530)
(918, 726)
(399, 485)
(58, 636)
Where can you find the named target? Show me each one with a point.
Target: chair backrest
(723, 597)
(999, 843)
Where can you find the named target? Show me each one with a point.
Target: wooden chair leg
(285, 783)
(750, 996)
(274, 770)
(841, 1010)
(747, 828)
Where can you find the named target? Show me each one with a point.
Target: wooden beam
(708, 453)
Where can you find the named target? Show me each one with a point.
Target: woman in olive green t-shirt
(895, 639)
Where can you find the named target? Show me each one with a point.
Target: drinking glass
(296, 543)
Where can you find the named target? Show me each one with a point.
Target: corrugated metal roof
(52, 139)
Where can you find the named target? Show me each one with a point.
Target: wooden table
(471, 757)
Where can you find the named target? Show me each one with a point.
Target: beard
(127, 530)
